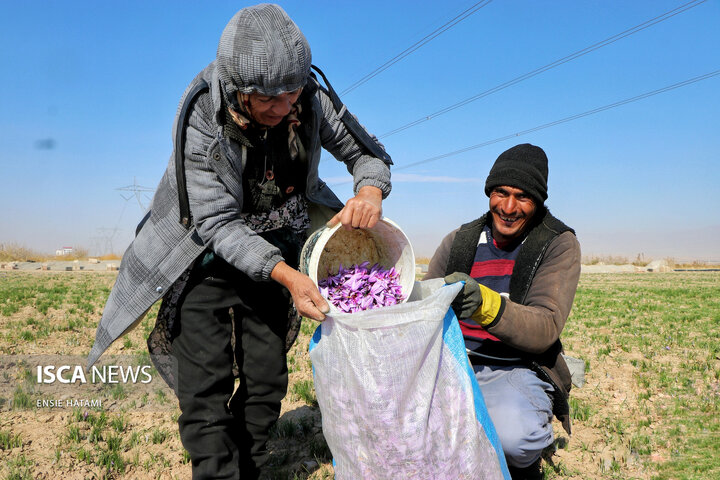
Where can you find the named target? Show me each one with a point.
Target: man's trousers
(521, 410)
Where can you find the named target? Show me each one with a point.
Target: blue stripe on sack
(315, 338)
(452, 336)
(314, 341)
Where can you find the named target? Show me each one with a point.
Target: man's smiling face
(511, 209)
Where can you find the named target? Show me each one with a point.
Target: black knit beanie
(523, 166)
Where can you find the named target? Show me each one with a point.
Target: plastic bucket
(327, 248)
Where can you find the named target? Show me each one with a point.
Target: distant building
(64, 251)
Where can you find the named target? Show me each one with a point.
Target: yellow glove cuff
(488, 310)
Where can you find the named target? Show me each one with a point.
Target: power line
(549, 66)
(558, 122)
(435, 33)
(565, 120)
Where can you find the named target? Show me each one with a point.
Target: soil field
(649, 408)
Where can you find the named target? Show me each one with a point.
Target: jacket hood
(262, 51)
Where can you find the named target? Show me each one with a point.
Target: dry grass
(13, 252)
(697, 264)
(78, 253)
(642, 261)
(605, 260)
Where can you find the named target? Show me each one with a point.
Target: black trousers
(225, 429)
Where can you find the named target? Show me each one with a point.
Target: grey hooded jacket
(164, 248)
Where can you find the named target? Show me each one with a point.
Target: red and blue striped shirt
(492, 267)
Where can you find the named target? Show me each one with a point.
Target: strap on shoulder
(183, 201)
(542, 233)
(351, 123)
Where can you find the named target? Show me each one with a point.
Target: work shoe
(531, 472)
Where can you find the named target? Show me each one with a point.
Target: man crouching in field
(521, 268)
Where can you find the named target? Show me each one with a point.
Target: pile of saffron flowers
(359, 288)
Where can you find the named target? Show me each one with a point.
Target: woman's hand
(306, 296)
(364, 210)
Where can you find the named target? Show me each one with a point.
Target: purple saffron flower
(356, 288)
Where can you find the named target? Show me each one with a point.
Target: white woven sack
(398, 397)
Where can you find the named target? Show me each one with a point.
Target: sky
(91, 88)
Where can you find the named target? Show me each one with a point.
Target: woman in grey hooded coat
(248, 141)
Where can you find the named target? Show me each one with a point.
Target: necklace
(269, 174)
